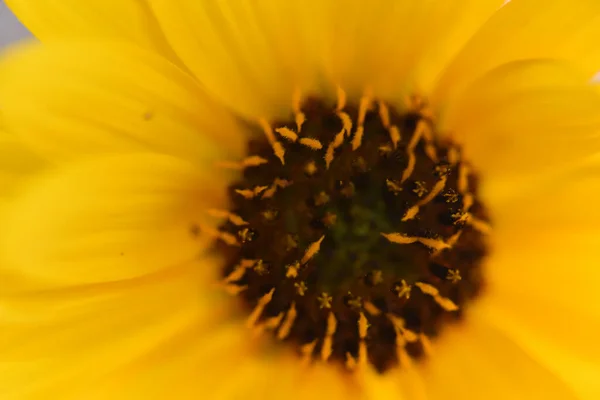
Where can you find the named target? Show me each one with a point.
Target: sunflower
(301, 199)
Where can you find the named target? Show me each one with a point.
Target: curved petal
(53, 344)
(526, 29)
(475, 360)
(109, 218)
(123, 20)
(544, 276)
(250, 55)
(220, 365)
(398, 48)
(544, 294)
(17, 163)
(71, 98)
(524, 119)
(405, 384)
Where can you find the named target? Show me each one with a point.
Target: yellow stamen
(327, 347)
(288, 322)
(444, 302)
(258, 309)
(312, 250)
(311, 143)
(287, 134)
(233, 218)
(277, 146)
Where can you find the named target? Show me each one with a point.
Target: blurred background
(11, 30)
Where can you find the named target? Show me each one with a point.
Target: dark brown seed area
(313, 233)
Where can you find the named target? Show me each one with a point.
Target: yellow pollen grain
(377, 277)
(292, 270)
(392, 186)
(269, 215)
(404, 290)
(310, 168)
(355, 302)
(287, 134)
(291, 242)
(260, 268)
(312, 250)
(454, 275)
(288, 322)
(329, 219)
(258, 309)
(325, 300)
(301, 288)
(327, 348)
(311, 143)
(321, 198)
(385, 149)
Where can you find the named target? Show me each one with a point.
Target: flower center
(354, 233)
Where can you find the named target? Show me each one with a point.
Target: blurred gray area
(11, 30)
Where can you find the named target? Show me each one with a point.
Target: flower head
(302, 199)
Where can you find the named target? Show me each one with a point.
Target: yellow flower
(123, 132)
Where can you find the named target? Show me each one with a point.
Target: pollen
(355, 232)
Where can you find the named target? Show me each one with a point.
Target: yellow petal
(56, 342)
(524, 29)
(525, 118)
(109, 218)
(17, 163)
(474, 360)
(398, 47)
(123, 20)
(242, 52)
(555, 270)
(220, 361)
(404, 383)
(66, 99)
(543, 277)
